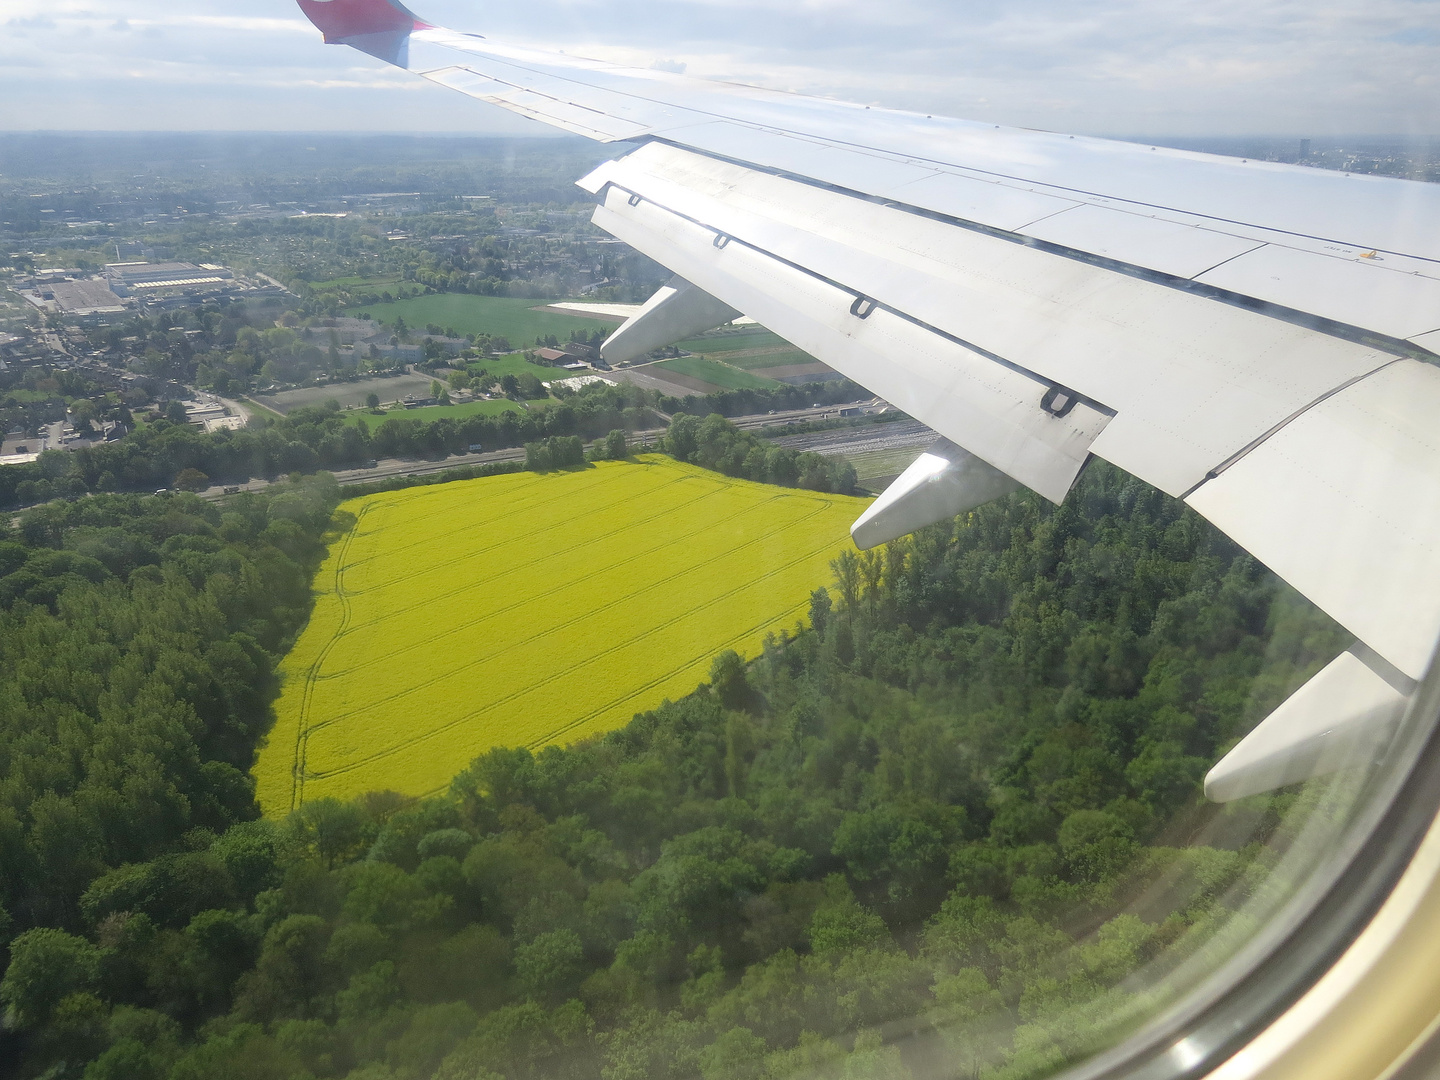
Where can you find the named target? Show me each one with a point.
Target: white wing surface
(1257, 339)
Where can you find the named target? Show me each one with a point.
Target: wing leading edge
(1256, 339)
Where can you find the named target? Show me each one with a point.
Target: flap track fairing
(944, 481)
(678, 311)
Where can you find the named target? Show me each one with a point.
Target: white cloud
(1107, 66)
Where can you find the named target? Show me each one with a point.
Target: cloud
(1106, 66)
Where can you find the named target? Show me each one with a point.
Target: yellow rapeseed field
(530, 609)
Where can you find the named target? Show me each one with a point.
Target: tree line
(155, 454)
(715, 443)
(901, 841)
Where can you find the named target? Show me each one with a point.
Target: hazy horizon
(1113, 67)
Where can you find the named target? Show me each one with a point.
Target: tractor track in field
(478, 552)
(593, 658)
(312, 674)
(581, 617)
(535, 744)
(561, 587)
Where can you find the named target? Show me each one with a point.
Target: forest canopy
(923, 814)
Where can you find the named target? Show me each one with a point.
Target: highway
(899, 435)
(388, 468)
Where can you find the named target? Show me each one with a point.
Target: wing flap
(1193, 381)
(1009, 418)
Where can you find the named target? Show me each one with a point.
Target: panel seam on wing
(1260, 440)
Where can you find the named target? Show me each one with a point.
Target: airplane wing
(1257, 339)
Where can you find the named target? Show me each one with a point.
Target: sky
(1106, 67)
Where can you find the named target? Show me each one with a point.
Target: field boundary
(530, 610)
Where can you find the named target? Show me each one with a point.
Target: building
(349, 331)
(86, 299)
(161, 286)
(379, 348)
(140, 278)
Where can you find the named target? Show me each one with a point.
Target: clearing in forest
(529, 609)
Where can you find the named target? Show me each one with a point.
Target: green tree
(550, 967)
(46, 966)
(331, 830)
(190, 479)
(727, 676)
(820, 611)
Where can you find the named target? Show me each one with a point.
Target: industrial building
(144, 278)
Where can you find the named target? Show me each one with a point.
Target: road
(900, 435)
(388, 468)
(236, 409)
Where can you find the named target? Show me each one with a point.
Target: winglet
(381, 28)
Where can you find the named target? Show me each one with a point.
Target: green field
(530, 609)
(734, 340)
(372, 420)
(11, 305)
(716, 373)
(750, 349)
(24, 396)
(498, 316)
